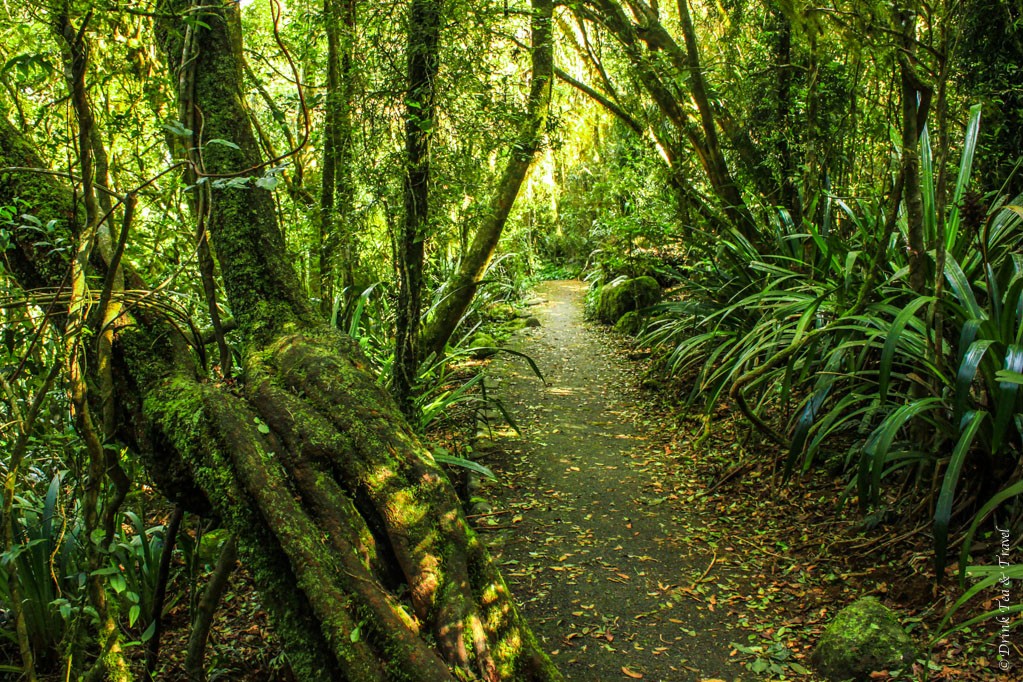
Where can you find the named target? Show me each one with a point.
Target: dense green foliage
(828, 195)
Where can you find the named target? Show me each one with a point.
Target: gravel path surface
(584, 522)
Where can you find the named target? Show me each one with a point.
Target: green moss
(618, 298)
(864, 637)
(177, 405)
(629, 324)
(512, 326)
(260, 281)
(308, 655)
(36, 263)
(500, 312)
(485, 343)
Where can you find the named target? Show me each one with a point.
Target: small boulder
(629, 324)
(532, 321)
(616, 299)
(478, 506)
(500, 312)
(865, 637)
(484, 343)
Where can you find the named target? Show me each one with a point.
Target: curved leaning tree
(356, 538)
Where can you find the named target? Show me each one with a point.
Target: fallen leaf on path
(632, 674)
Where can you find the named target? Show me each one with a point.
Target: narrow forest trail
(585, 525)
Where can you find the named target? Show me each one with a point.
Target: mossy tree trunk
(338, 252)
(461, 288)
(916, 99)
(355, 536)
(424, 24)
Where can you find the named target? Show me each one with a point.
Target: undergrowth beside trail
(809, 557)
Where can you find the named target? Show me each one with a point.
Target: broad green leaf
(895, 334)
(962, 288)
(996, 500)
(222, 142)
(943, 510)
(963, 179)
(465, 464)
(1008, 392)
(1009, 377)
(879, 443)
(966, 373)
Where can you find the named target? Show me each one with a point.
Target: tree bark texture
(355, 536)
(420, 122)
(461, 288)
(338, 251)
(916, 97)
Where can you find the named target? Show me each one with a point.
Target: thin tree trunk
(170, 536)
(338, 252)
(685, 66)
(725, 185)
(195, 667)
(461, 288)
(783, 62)
(356, 539)
(420, 122)
(915, 103)
(111, 663)
(941, 185)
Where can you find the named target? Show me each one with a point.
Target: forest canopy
(245, 246)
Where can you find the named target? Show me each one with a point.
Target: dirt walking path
(585, 524)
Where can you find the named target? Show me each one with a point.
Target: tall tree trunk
(420, 123)
(461, 288)
(945, 46)
(916, 96)
(790, 198)
(111, 663)
(660, 77)
(356, 538)
(338, 252)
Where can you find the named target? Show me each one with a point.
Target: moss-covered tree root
(314, 454)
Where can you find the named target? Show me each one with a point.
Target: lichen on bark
(356, 538)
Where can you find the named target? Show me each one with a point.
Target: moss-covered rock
(865, 637)
(485, 343)
(511, 326)
(479, 505)
(501, 312)
(616, 299)
(629, 324)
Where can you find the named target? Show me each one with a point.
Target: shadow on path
(585, 524)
